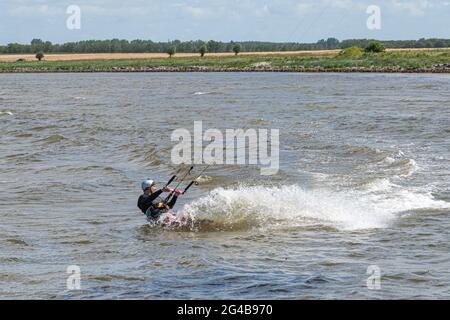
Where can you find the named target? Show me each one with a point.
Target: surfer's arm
(155, 195)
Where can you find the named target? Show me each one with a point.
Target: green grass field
(399, 61)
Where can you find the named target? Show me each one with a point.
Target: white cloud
(34, 10)
(197, 12)
(305, 8)
(417, 7)
(310, 6)
(263, 12)
(127, 11)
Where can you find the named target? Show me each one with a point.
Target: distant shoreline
(434, 71)
(392, 61)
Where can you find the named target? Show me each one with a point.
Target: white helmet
(147, 184)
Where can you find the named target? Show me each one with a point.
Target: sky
(222, 20)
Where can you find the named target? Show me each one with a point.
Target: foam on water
(378, 185)
(294, 206)
(406, 167)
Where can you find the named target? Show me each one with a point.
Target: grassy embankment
(391, 61)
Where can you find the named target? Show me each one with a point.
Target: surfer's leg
(153, 214)
(172, 202)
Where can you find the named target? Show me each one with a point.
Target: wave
(379, 185)
(53, 139)
(204, 179)
(395, 164)
(292, 206)
(404, 167)
(151, 157)
(6, 113)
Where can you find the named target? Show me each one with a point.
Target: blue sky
(238, 20)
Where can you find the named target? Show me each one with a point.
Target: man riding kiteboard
(153, 206)
(151, 203)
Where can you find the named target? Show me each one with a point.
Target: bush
(353, 52)
(237, 48)
(203, 50)
(40, 55)
(375, 47)
(172, 51)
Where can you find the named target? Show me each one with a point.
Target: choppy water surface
(364, 180)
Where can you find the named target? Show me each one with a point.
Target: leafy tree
(47, 46)
(203, 50)
(37, 45)
(213, 46)
(375, 47)
(332, 43)
(172, 51)
(237, 48)
(40, 55)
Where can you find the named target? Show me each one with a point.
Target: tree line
(148, 46)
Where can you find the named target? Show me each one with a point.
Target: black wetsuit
(148, 203)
